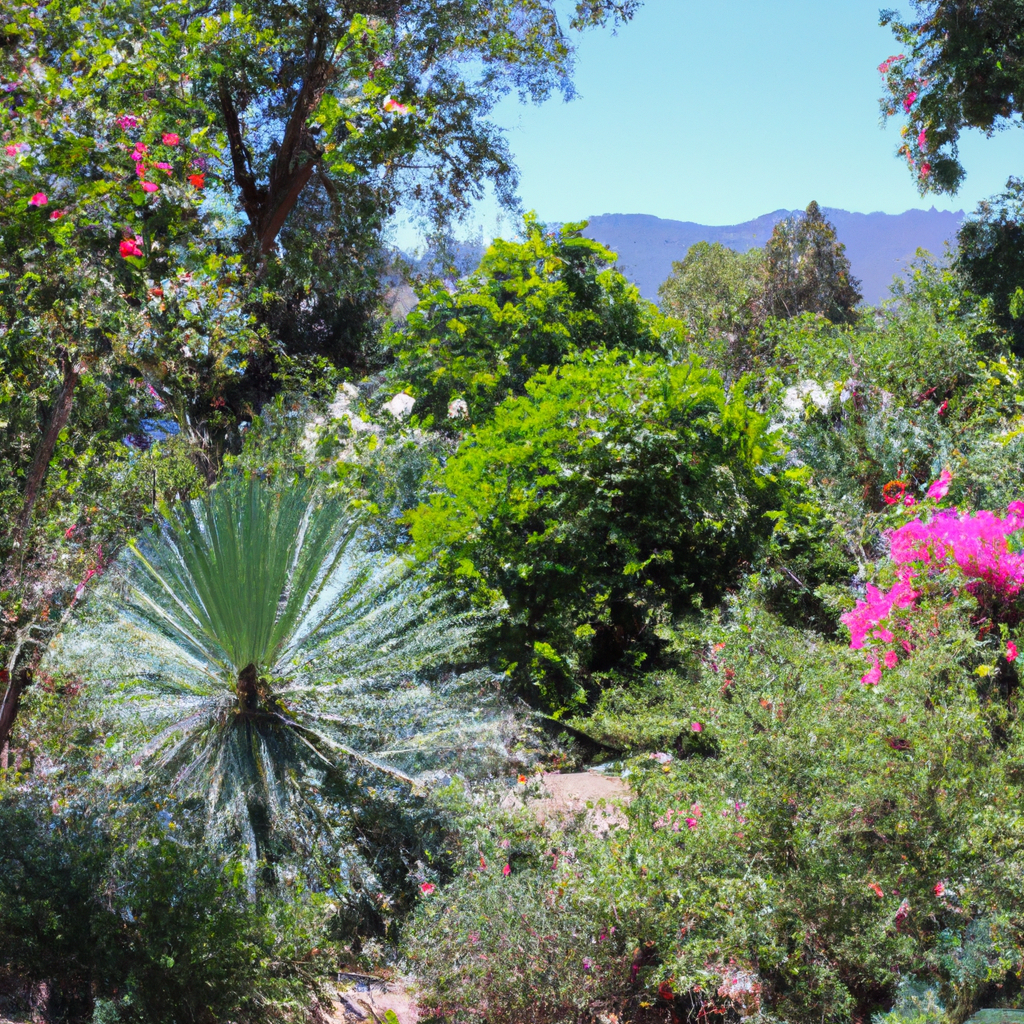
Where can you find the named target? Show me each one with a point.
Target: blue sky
(717, 111)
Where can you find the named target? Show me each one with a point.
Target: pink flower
(427, 888)
(926, 169)
(140, 170)
(922, 141)
(137, 157)
(940, 889)
(942, 408)
(130, 247)
(940, 488)
(891, 658)
(149, 186)
(56, 215)
(394, 107)
(170, 139)
(883, 68)
(910, 501)
(163, 167)
(13, 150)
(696, 727)
(1011, 651)
(909, 102)
(873, 676)
(141, 147)
(691, 823)
(68, 532)
(126, 121)
(39, 199)
(507, 870)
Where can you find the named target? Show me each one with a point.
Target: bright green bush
(616, 493)
(527, 307)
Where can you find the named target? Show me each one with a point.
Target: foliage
(120, 915)
(806, 270)
(527, 307)
(715, 291)
(252, 646)
(961, 68)
(838, 840)
(617, 492)
(990, 258)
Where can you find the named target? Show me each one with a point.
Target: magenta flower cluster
(977, 544)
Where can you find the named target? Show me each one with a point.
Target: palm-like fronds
(253, 643)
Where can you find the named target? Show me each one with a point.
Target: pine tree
(807, 271)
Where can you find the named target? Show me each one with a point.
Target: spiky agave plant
(253, 643)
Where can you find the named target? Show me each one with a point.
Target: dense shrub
(820, 847)
(110, 909)
(527, 307)
(615, 494)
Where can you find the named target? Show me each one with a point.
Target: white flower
(458, 409)
(401, 405)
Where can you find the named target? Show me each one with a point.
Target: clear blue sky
(717, 111)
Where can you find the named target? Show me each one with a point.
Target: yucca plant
(252, 643)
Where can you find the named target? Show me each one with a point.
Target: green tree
(962, 67)
(528, 306)
(990, 258)
(254, 645)
(617, 492)
(806, 270)
(715, 291)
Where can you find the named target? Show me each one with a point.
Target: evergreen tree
(806, 270)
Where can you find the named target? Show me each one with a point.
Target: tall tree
(962, 67)
(990, 257)
(806, 270)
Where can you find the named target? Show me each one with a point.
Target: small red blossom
(141, 147)
(13, 150)
(39, 199)
(150, 186)
(926, 169)
(394, 107)
(56, 215)
(130, 247)
(1011, 651)
(877, 889)
(909, 102)
(894, 491)
(197, 180)
(427, 888)
(170, 139)
(520, 779)
(942, 408)
(507, 870)
(940, 889)
(696, 727)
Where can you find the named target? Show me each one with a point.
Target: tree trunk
(47, 445)
(17, 684)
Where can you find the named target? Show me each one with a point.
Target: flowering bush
(942, 554)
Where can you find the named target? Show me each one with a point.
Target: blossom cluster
(979, 545)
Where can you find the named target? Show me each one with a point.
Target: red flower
(940, 889)
(130, 247)
(427, 888)
(56, 215)
(149, 186)
(1011, 651)
(521, 779)
(507, 870)
(696, 727)
(170, 139)
(197, 180)
(876, 889)
(39, 199)
(893, 492)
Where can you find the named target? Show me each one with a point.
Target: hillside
(879, 244)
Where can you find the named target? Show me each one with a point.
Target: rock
(559, 795)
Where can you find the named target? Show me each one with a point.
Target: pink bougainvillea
(39, 199)
(909, 101)
(976, 544)
(170, 139)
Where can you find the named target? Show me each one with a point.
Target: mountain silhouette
(879, 245)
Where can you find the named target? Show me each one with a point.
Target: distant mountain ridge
(879, 245)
